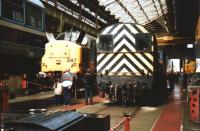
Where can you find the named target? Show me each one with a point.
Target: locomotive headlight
(58, 62)
(44, 65)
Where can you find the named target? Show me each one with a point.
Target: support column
(80, 9)
(61, 25)
(56, 4)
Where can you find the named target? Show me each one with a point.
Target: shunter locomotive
(130, 68)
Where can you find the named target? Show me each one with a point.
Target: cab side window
(143, 41)
(105, 43)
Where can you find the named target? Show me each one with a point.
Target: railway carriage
(130, 68)
(22, 26)
(27, 13)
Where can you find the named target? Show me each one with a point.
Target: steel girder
(66, 18)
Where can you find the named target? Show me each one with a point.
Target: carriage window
(143, 42)
(105, 43)
(13, 10)
(33, 16)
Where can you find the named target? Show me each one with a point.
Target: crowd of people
(173, 78)
(63, 87)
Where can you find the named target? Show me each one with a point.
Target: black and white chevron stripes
(124, 58)
(129, 63)
(123, 36)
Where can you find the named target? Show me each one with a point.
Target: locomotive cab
(61, 55)
(65, 53)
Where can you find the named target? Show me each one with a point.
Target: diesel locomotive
(130, 67)
(61, 55)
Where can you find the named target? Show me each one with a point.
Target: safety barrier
(194, 103)
(125, 121)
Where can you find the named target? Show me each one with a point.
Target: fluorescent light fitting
(189, 45)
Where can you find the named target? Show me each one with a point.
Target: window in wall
(13, 10)
(33, 16)
(105, 43)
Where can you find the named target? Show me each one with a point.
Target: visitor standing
(67, 81)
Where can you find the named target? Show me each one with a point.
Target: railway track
(116, 113)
